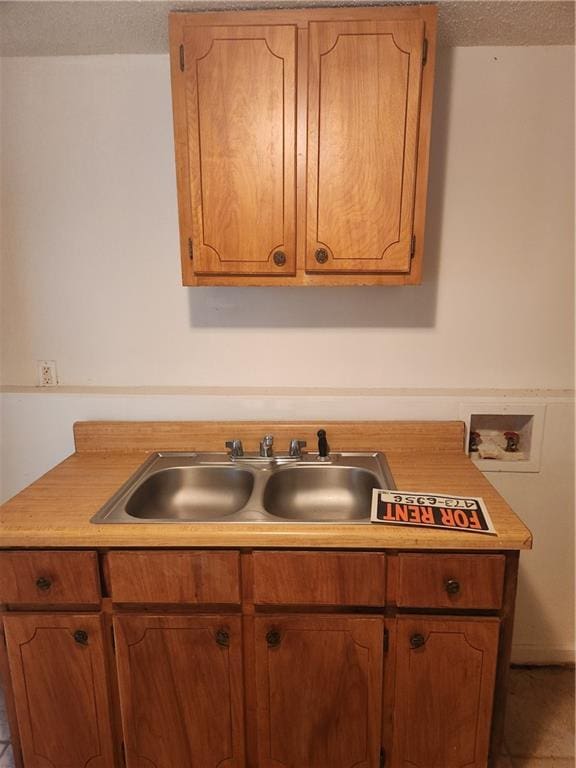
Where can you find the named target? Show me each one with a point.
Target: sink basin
(321, 493)
(191, 493)
(212, 487)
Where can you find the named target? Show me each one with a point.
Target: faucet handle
(266, 446)
(296, 448)
(323, 447)
(236, 448)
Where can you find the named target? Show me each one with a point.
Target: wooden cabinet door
(319, 691)
(364, 81)
(235, 122)
(58, 673)
(445, 673)
(180, 681)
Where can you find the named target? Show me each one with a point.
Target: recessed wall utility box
(504, 437)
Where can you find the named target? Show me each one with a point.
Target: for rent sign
(425, 510)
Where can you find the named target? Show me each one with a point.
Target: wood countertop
(55, 511)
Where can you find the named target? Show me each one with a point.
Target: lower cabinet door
(59, 679)
(319, 691)
(180, 681)
(445, 673)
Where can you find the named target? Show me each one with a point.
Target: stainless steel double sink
(215, 488)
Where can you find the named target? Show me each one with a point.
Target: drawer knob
(81, 637)
(273, 638)
(43, 583)
(452, 586)
(223, 638)
(417, 641)
(321, 256)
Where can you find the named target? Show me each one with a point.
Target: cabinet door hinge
(413, 247)
(424, 51)
(382, 758)
(181, 58)
(190, 249)
(386, 641)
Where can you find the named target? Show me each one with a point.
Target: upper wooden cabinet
(302, 141)
(363, 110)
(240, 126)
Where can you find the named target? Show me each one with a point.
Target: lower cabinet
(319, 691)
(330, 669)
(59, 680)
(445, 675)
(181, 691)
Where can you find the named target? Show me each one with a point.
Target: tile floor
(540, 719)
(539, 724)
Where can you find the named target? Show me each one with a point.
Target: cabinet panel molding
(319, 691)
(180, 682)
(445, 674)
(59, 676)
(363, 113)
(240, 91)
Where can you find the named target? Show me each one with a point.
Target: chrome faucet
(296, 446)
(266, 449)
(236, 449)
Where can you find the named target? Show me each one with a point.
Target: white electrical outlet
(47, 373)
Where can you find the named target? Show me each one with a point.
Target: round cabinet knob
(321, 256)
(43, 583)
(81, 637)
(279, 258)
(223, 638)
(273, 638)
(417, 641)
(452, 586)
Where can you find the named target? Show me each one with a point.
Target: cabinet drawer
(49, 578)
(175, 577)
(450, 581)
(319, 578)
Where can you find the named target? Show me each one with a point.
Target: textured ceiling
(47, 28)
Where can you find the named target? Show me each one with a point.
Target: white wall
(91, 248)
(91, 279)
